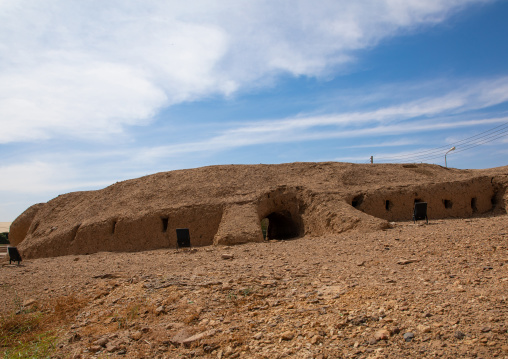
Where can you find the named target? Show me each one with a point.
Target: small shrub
(4, 238)
(42, 346)
(30, 332)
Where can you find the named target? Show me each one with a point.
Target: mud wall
(444, 200)
(226, 204)
(239, 224)
(127, 234)
(328, 213)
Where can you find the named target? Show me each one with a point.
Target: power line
(462, 145)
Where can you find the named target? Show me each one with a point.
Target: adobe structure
(226, 204)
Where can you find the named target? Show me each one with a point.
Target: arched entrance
(281, 225)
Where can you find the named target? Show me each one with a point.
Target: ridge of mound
(226, 204)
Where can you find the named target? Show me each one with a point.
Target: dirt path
(437, 290)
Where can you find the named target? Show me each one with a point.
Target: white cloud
(33, 177)
(88, 69)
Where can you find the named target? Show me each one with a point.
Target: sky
(95, 92)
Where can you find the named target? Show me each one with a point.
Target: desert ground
(410, 291)
(4, 226)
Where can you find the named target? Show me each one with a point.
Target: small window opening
(113, 227)
(493, 200)
(473, 205)
(447, 203)
(165, 222)
(357, 201)
(388, 205)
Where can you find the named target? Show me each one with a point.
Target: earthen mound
(226, 204)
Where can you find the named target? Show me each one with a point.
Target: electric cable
(462, 145)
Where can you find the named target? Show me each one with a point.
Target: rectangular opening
(165, 222)
(447, 203)
(473, 205)
(182, 237)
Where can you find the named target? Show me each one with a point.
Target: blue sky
(101, 91)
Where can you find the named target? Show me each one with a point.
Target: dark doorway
(473, 205)
(183, 237)
(281, 226)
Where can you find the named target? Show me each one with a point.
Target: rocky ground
(412, 291)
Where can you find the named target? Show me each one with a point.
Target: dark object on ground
(420, 211)
(408, 336)
(14, 255)
(182, 237)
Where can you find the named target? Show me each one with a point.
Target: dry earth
(412, 291)
(4, 226)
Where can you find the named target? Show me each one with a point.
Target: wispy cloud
(453, 109)
(75, 69)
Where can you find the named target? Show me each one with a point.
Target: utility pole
(371, 159)
(451, 149)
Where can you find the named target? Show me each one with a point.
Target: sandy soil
(4, 226)
(413, 291)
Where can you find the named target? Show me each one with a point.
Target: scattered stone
(95, 348)
(408, 336)
(160, 310)
(136, 335)
(258, 336)
(226, 286)
(227, 256)
(486, 329)
(29, 302)
(180, 336)
(423, 328)
(199, 336)
(382, 334)
(373, 341)
(287, 335)
(102, 341)
(407, 261)
(316, 339)
(112, 348)
(459, 335)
